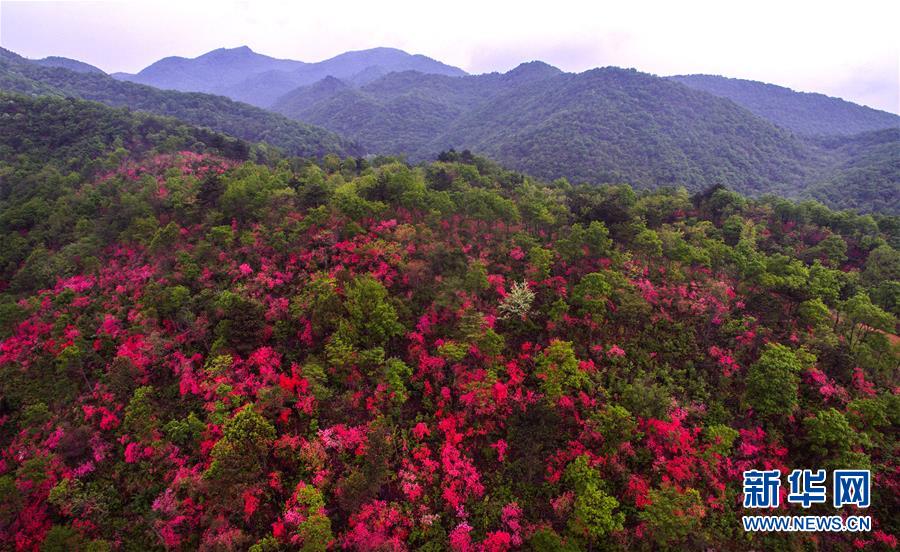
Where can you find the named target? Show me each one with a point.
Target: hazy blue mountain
(802, 112)
(247, 76)
(218, 113)
(70, 64)
(404, 111)
(212, 72)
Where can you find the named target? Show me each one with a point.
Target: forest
(211, 344)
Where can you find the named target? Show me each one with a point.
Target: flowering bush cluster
(382, 357)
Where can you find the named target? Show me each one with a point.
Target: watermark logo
(851, 488)
(762, 489)
(807, 487)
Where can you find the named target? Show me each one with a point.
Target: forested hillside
(864, 174)
(801, 112)
(606, 125)
(215, 112)
(200, 352)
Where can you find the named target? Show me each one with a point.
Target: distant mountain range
(607, 125)
(244, 75)
(803, 112)
(240, 120)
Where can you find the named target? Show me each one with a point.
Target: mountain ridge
(218, 113)
(244, 75)
(605, 125)
(808, 113)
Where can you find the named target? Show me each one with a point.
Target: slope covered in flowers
(372, 356)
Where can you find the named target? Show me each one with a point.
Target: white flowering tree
(517, 302)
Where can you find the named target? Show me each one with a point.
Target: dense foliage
(802, 112)
(215, 112)
(49, 145)
(864, 172)
(202, 353)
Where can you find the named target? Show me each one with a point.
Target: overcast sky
(845, 49)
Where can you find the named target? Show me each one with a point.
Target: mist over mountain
(802, 112)
(257, 79)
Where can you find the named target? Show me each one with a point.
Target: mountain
(70, 64)
(864, 173)
(605, 125)
(211, 72)
(215, 112)
(802, 112)
(600, 126)
(617, 125)
(247, 76)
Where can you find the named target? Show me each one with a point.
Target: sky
(844, 49)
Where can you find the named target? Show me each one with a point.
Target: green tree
(591, 295)
(672, 515)
(558, 366)
(828, 433)
(240, 455)
(371, 317)
(772, 381)
(594, 513)
(315, 530)
(860, 317)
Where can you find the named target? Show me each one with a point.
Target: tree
(814, 313)
(370, 317)
(882, 265)
(558, 367)
(315, 530)
(517, 302)
(240, 455)
(832, 250)
(596, 238)
(861, 317)
(672, 515)
(648, 243)
(241, 322)
(772, 381)
(594, 512)
(591, 295)
(828, 433)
